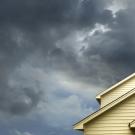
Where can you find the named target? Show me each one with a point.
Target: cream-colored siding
(117, 92)
(115, 121)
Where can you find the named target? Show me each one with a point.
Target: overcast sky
(55, 56)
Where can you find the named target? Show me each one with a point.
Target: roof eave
(98, 98)
(79, 125)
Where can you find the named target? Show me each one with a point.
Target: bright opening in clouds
(56, 56)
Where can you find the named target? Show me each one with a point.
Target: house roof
(98, 97)
(79, 125)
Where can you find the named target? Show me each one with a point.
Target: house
(116, 115)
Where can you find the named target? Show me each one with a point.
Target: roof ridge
(111, 103)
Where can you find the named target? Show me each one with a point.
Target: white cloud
(16, 132)
(117, 5)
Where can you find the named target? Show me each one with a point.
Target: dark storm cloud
(31, 26)
(109, 56)
(117, 47)
(93, 11)
(14, 100)
(19, 101)
(36, 13)
(29, 12)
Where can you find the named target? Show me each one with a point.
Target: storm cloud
(37, 13)
(54, 52)
(31, 27)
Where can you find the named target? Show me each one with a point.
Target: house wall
(117, 92)
(114, 121)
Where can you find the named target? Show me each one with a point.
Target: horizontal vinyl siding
(117, 92)
(114, 121)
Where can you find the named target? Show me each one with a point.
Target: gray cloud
(55, 36)
(116, 47)
(28, 27)
(36, 13)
